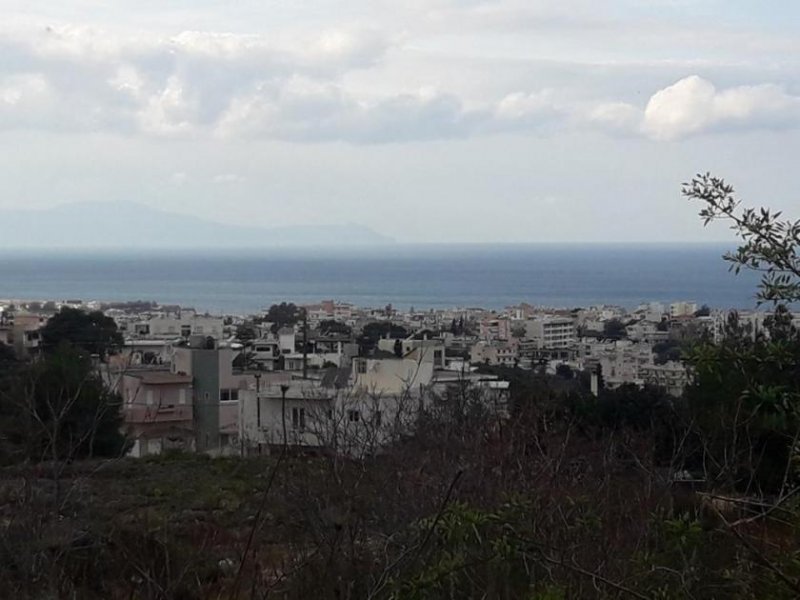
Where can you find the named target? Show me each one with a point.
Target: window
(353, 416)
(361, 366)
(330, 413)
(226, 395)
(186, 330)
(299, 419)
(182, 396)
(149, 397)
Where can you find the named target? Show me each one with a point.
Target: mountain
(131, 225)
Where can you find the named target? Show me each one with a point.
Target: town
(333, 376)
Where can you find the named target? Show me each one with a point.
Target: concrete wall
(205, 370)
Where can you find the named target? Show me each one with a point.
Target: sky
(426, 120)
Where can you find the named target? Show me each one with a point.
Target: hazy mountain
(129, 225)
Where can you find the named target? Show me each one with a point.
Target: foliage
(334, 327)
(614, 329)
(669, 350)
(246, 332)
(745, 403)
(703, 311)
(58, 408)
(518, 331)
(372, 332)
(770, 244)
(746, 393)
(93, 332)
(282, 315)
(7, 357)
(564, 371)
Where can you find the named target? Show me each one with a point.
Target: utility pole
(258, 400)
(305, 343)
(284, 389)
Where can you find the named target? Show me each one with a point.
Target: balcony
(158, 414)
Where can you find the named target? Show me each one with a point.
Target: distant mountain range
(131, 225)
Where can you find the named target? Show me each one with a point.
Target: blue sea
(420, 276)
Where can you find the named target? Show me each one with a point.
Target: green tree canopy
(744, 403)
(58, 408)
(331, 326)
(92, 332)
(614, 329)
(283, 315)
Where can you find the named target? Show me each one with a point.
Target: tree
(565, 371)
(372, 332)
(745, 398)
(518, 331)
(92, 332)
(614, 329)
(282, 315)
(7, 357)
(669, 350)
(59, 409)
(770, 245)
(334, 327)
(745, 404)
(703, 311)
(246, 332)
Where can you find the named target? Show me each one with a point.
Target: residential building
(551, 332)
(157, 406)
(672, 376)
(182, 325)
(216, 389)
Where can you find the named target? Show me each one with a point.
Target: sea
(245, 281)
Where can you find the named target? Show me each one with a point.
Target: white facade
(171, 327)
(551, 332)
(305, 414)
(682, 309)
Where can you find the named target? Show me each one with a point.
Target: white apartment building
(551, 332)
(170, 327)
(682, 309)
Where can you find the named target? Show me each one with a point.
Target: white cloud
(227, 178)
(524, 106)
(26, 100)
(23, 90)
(694, 105)
(309, 110)
(179, 178)
(169, 112)
(300, 86)
(615, 117)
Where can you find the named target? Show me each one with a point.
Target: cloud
(227, 178)
(522, 106)
(179, 178)
(300, 88)
(694, 105)
(306, 110)
(615, 117)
